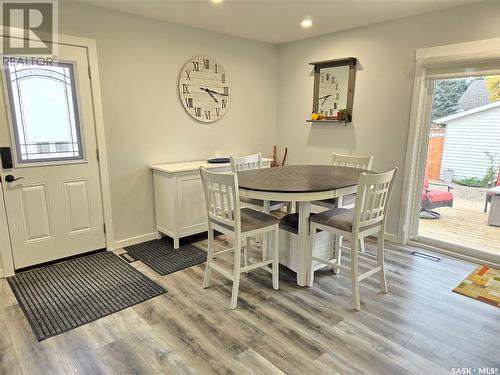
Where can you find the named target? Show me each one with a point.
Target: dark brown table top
(299, 178)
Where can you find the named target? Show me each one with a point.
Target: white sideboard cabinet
(179, 201)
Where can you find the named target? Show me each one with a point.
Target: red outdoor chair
(433, 198)
(488, 195)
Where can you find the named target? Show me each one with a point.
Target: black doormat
(63, 296)
(160, 255)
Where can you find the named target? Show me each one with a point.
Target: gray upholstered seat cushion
(340, 218)
(253, 219)
(258, 202)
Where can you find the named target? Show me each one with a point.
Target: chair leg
(338, 256)
(362, 244)
(236, 272)
(265, 244)
(266, 208)
(276, 264)
(310, 251)
(210, 257)
(380, 261)
(486, 204)
(289, 208)
(354, 275)
(337, 252)
(245, 252)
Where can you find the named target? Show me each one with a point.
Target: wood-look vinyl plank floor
(420, 326)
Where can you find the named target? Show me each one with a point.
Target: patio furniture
(224, 215)
(494, 215)
(367, 218)
(433, 198)
(488, 195)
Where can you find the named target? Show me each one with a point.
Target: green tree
(447, 92)
(493, 87)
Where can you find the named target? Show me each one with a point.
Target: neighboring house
(475, 96)
(469, 135)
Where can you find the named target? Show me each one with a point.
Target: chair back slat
(352, 161)
(372, 198)
(221, 197)
(242, 163)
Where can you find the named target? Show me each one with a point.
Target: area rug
(483, 284)
(63, 296)
(160, 255)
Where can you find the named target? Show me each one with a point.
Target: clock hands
(325, 98)
(215, 92)
(209, 92)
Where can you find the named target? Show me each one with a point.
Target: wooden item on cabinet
(179, 202)
(334, 88)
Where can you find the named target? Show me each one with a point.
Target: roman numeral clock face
(204, 89)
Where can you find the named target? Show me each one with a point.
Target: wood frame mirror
(334, 88)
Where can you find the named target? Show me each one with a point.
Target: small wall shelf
(338, 121)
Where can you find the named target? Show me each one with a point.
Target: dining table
(302, 184)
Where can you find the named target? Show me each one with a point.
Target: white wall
(466, 141)
(139, 62)
(383, 91)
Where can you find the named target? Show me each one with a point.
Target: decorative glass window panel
(44, 112)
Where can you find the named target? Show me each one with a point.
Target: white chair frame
(248, 162)
(370, 214)
(353, 161)
(223, 209)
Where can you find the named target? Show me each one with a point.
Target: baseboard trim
(135, 240)
(391, 237)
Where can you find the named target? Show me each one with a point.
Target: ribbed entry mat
(161, 256)
(63, 296)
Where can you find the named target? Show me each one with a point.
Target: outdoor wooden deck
(464, 224)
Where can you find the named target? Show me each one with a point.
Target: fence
(435, 153)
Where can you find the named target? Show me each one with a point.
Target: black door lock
(10, 178)
(6, 157)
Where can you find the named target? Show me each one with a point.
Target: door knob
(10, 178)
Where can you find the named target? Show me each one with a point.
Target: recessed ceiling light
(306, 23)
(216, 1)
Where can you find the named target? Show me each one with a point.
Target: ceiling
(276, 21)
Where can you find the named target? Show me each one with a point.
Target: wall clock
(204, 89)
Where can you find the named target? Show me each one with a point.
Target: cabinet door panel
(192, 209)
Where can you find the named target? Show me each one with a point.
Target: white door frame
(429, 61)
(90, 46)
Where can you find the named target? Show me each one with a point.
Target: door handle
(10, 178)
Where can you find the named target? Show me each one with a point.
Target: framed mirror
(334, 89)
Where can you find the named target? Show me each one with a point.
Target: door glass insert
(44, 112)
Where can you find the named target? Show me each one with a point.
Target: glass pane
(44, 112)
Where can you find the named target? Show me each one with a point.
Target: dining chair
(352, 161)
(368, 217)
(226, 216)
(248, 162)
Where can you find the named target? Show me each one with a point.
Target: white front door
(54, 206)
